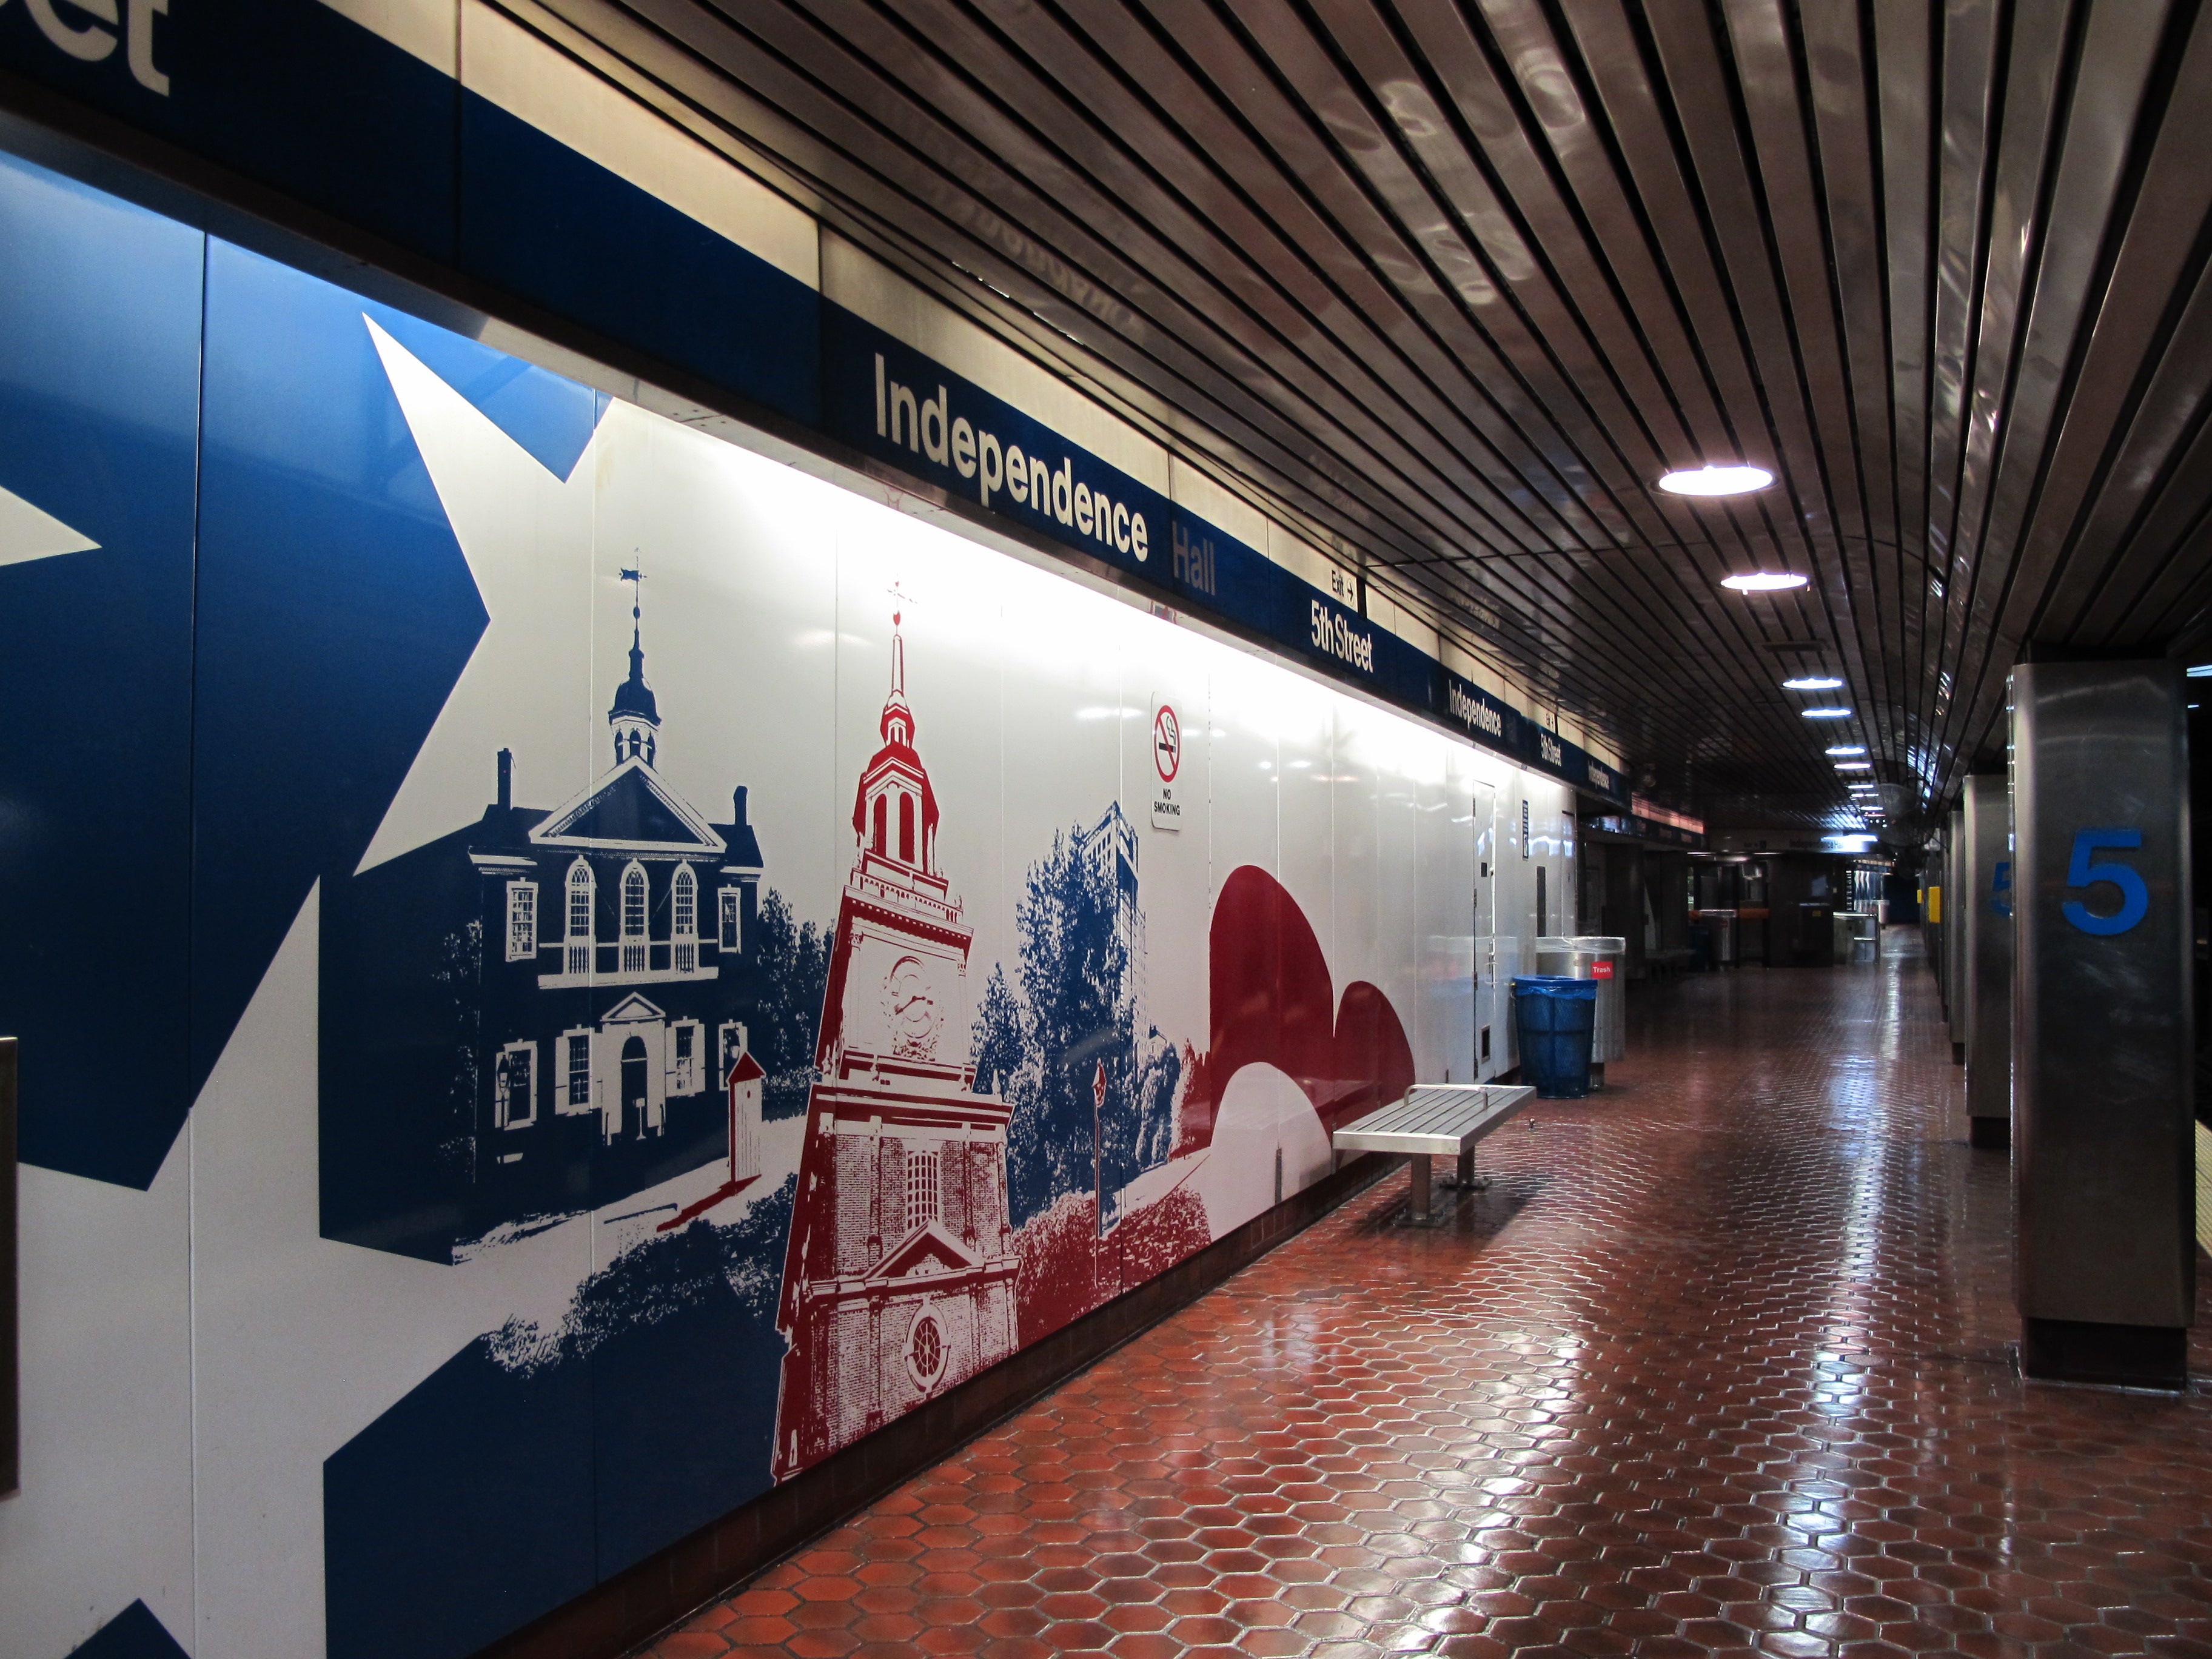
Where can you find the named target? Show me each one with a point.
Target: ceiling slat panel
(1453, 281)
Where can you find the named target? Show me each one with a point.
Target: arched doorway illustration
(633, 1089)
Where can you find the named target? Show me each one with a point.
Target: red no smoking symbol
(1166, 744)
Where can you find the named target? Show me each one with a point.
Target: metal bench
(1435, 1120)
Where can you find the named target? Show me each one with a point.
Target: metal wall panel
(1985, 915)
(2102, 1038)
(1955, 898)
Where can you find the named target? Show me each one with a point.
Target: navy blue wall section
(544, 224)
(98, 401)
(507, 1483)
(287, 93)
(133, 1633)
(336, 613)
(462, 1513)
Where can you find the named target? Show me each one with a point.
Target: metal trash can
(1723, 922)
(1600, 956)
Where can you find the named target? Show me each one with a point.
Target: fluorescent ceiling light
(1812, 682)
(1763, 581)
(1854, 766)
(1849, 749)
(1826, 713)
(1716, 480)
(2203, 670)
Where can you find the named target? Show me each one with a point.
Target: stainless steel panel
(2103, 1180)
(1954, 953)
(1599, 956)
(1985, 912)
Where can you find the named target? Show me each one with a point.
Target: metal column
(1985, 915)
(2103, 1183)
(1956, 895)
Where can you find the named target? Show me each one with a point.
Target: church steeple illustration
(636, 717)
(895, 813)
(898, 1279)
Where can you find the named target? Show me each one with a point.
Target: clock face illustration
(913, 1011)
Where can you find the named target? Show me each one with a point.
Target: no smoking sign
(1167, 762)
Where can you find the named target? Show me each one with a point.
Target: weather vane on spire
(898, 594)
(633, 574)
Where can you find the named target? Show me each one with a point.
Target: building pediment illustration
(632, 1009)
(631, 807)
(929, 1249)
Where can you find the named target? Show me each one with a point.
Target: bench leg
(1419, 1162)
(1466, 1170)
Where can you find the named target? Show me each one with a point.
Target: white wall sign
(1167, 760)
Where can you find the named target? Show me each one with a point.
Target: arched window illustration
(685, 903)
(632, 919)
(906, 827)
(880, 809)
(922, 1189)
(578, 955)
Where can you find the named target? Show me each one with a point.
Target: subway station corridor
(1720, 1363)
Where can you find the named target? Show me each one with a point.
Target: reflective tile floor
(1720, 1364)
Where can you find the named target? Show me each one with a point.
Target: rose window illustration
(926, 1351)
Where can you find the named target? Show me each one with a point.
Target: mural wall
(637, 965)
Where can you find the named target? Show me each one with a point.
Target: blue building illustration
(592, 971)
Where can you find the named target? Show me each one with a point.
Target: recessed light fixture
(1763, 581)
(1854, 766)
(2201, 671)
(1849, 749)
(1812, 682)
(1825, 714)
(1735, 479)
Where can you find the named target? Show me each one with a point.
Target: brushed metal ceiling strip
(2158, 483)
(1365, 516)
(1363, 306)
(1732, 225)
(1542, 328)
(950, 167)
(1907, 59)
(2015, 239)
(1299, 180)
(1246, 264)
(2118, 58)
(2088, 511)
(1437, 269)
(1394, 81)
(1739, 226)
(1777, 104)
(1521, 430)
(1837, 62)
(1479, 93)
(2143, 588)
(1969, 78)
(1627, 98)
(2178, 623)
(1543, 69)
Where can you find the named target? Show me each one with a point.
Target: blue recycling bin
(1554, 1017)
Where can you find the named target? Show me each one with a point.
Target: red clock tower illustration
(899, 1277)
